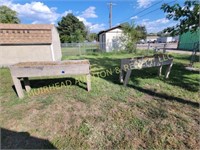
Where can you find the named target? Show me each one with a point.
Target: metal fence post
(79, 49)
(148, 49)
(164, 48)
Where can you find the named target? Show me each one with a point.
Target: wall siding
(187, 40)
(24, 53)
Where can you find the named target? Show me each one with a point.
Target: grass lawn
(150, 113)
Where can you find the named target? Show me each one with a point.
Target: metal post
(155, 49)
(148, 49)
(164, 48)
(79, 49)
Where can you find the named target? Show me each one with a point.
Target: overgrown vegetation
(132, 34)
(150, 113)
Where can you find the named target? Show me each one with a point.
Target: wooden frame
(157, 60)
(38, 69)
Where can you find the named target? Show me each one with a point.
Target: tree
(142, 32)
(92, 37)
(71, 29)
(188, 16)
(8, 15)
(77, 36)
(132, 36)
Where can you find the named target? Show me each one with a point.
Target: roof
(104, 31)
(25, 34)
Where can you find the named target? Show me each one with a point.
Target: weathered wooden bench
(25, 70)
(157, 60)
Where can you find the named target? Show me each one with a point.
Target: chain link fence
(74, 49)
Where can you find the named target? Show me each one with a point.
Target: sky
(94, 13)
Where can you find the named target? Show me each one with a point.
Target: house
(28, 42)
(110, 39)
(189, 40)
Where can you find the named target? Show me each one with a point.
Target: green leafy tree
(77, 36)
(8, 15)
(71, 29)
(92, 37)
(131, 36)
(187, 15)
(142, 34)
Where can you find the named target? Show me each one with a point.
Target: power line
(156, 9)
(141, 11)
(152, 10)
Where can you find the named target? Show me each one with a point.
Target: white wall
(56, 44)
(24, 53)
(113, 39)
(167, 39)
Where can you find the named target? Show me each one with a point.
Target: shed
(28, 42)
(188, 40)
(110, 39)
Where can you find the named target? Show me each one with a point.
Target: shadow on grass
(187, 57)
(22, 140)
(166, 97)
(38, 83)
(53, 82)
(179, 76)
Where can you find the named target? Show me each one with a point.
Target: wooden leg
(121, 76)
(168, 70)
(128, 74)
(160, 71)
(27, 84)
(18, 87)
(88, 77)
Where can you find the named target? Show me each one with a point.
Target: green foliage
(132, 35)
(92, 37)
(187, 15)
(71, 29)
(142, 32)
(8, 15)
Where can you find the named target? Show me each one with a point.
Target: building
(30, 42)
(168, 39)
(189, 40)
(110, 39)
(151, 38)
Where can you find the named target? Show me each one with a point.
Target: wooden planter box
(25, 70)
(157, 60)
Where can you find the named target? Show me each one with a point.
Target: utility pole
(110, 13)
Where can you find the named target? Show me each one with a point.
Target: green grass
(150, 113)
